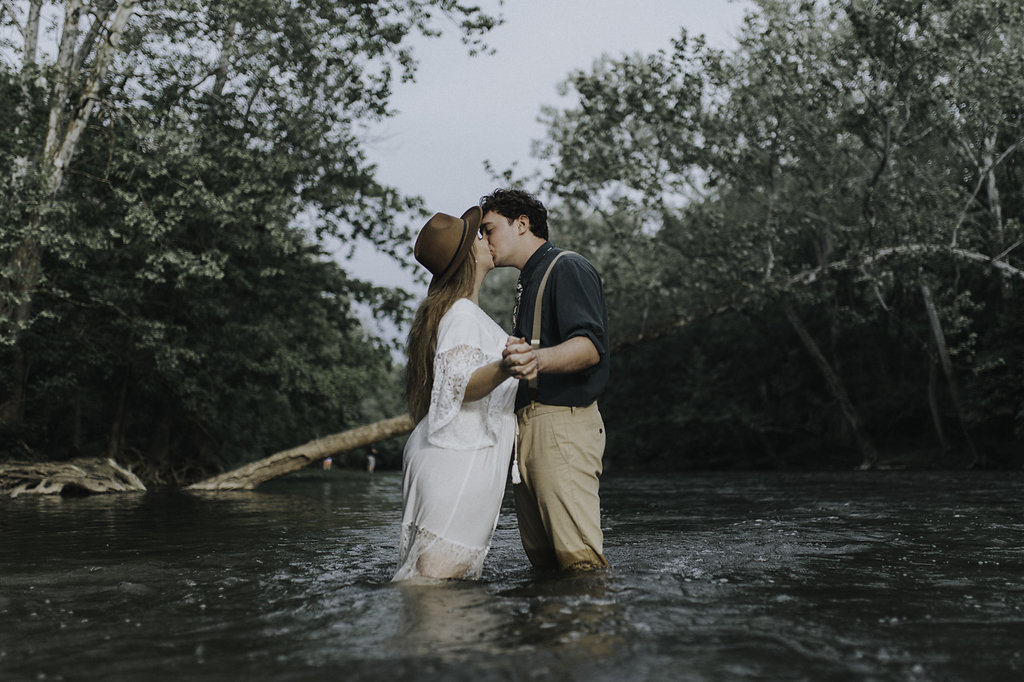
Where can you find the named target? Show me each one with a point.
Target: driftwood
(79, 476)
(251, 475)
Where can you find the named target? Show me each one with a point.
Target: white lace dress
(457, 459)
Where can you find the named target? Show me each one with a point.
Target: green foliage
(497, 295)
(843, 155)
(188, 316)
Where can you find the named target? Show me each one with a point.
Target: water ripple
(840, 576)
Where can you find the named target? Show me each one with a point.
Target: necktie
(515, 308)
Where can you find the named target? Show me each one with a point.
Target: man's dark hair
(513, 203)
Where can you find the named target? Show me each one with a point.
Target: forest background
(810, 244)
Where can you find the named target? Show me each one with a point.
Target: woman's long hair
(422, 343)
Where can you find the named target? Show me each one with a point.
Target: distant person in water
(460, 396)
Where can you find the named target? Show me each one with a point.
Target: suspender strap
(535, 336)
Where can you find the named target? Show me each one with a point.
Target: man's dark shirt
(573, 306)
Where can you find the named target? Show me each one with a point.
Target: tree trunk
(117, 428)
(19, 285)
(160, 440)
(835, 384)
(251, 475)
(29, 71)
(933, 406)
(947, 368)
(12, 411)
(23, 271)
(988, 167)
(76, 422)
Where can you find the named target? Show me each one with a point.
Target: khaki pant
(557, 503)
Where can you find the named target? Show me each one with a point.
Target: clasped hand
(519, 359)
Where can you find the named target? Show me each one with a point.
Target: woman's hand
(519, 359)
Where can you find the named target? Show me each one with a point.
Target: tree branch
(224, 60)
(104, 57)
(811, 276)
(58, 94)
(31, 35)
(9, 6)
(982, 173)
(100, 17)
(1007, 250)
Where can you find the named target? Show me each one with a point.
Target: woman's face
(482, 254)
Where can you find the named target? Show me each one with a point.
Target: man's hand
(519, 359)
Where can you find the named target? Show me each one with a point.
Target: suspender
(535, 337)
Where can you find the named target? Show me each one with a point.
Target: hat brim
(471, 220)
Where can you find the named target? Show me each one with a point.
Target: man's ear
(523, 224)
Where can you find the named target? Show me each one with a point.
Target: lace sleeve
(452, 370)
(463, 346)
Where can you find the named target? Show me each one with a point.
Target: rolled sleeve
(579, 302)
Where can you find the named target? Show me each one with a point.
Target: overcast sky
(464, 110)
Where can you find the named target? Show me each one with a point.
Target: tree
(37, 171)
(850, 168)
(181, 283)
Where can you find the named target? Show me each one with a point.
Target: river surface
(825, 576)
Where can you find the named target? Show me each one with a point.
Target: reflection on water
(851, 576)
(446, 619)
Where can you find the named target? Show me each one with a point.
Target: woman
(457, 458)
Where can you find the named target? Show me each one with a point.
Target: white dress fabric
(457, 459)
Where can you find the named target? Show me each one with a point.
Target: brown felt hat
(444, 243)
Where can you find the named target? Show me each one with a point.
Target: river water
(824, 576)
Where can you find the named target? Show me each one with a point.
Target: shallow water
(838, 576)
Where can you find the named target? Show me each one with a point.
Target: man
(561, 432)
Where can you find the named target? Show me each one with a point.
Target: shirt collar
(533, 262)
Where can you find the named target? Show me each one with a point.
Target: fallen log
(250, 475)
(79, 476)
